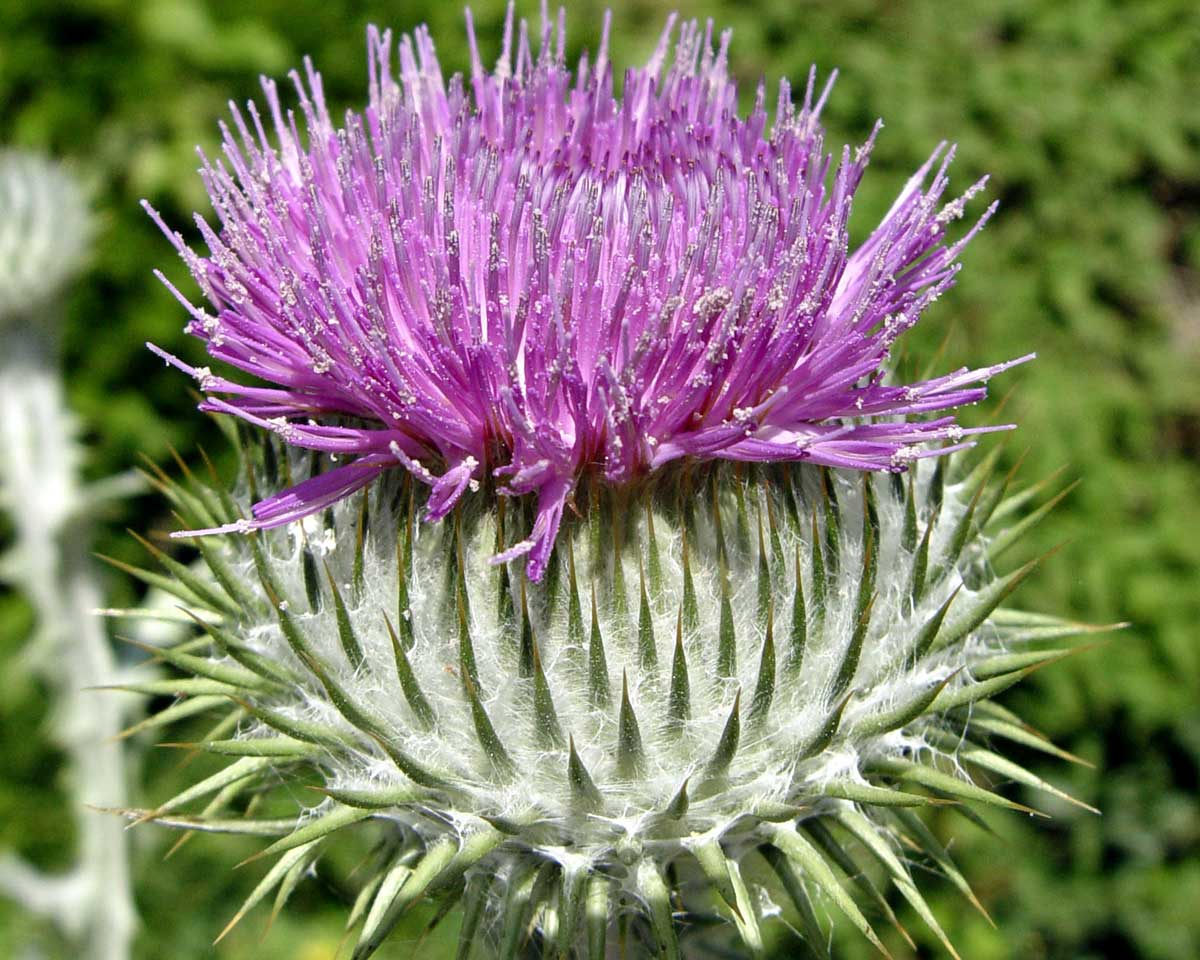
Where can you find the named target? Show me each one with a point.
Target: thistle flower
(524, 276)
(44, 232)
(759, 650)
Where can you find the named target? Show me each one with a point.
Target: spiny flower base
(723, 664)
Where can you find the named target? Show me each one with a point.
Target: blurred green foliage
(1086, 113)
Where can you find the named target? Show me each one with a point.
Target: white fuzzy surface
(765, 769)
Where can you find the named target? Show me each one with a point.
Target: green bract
(725, 670)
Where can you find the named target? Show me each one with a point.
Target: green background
(1087, 115)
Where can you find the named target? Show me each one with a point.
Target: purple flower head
(519, 272)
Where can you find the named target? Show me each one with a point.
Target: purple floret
(522, 273)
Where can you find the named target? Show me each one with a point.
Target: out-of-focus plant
(45, 231)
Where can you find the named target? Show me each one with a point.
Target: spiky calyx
(722, 664)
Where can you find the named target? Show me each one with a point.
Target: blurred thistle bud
(698, 611)
(45, 230)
